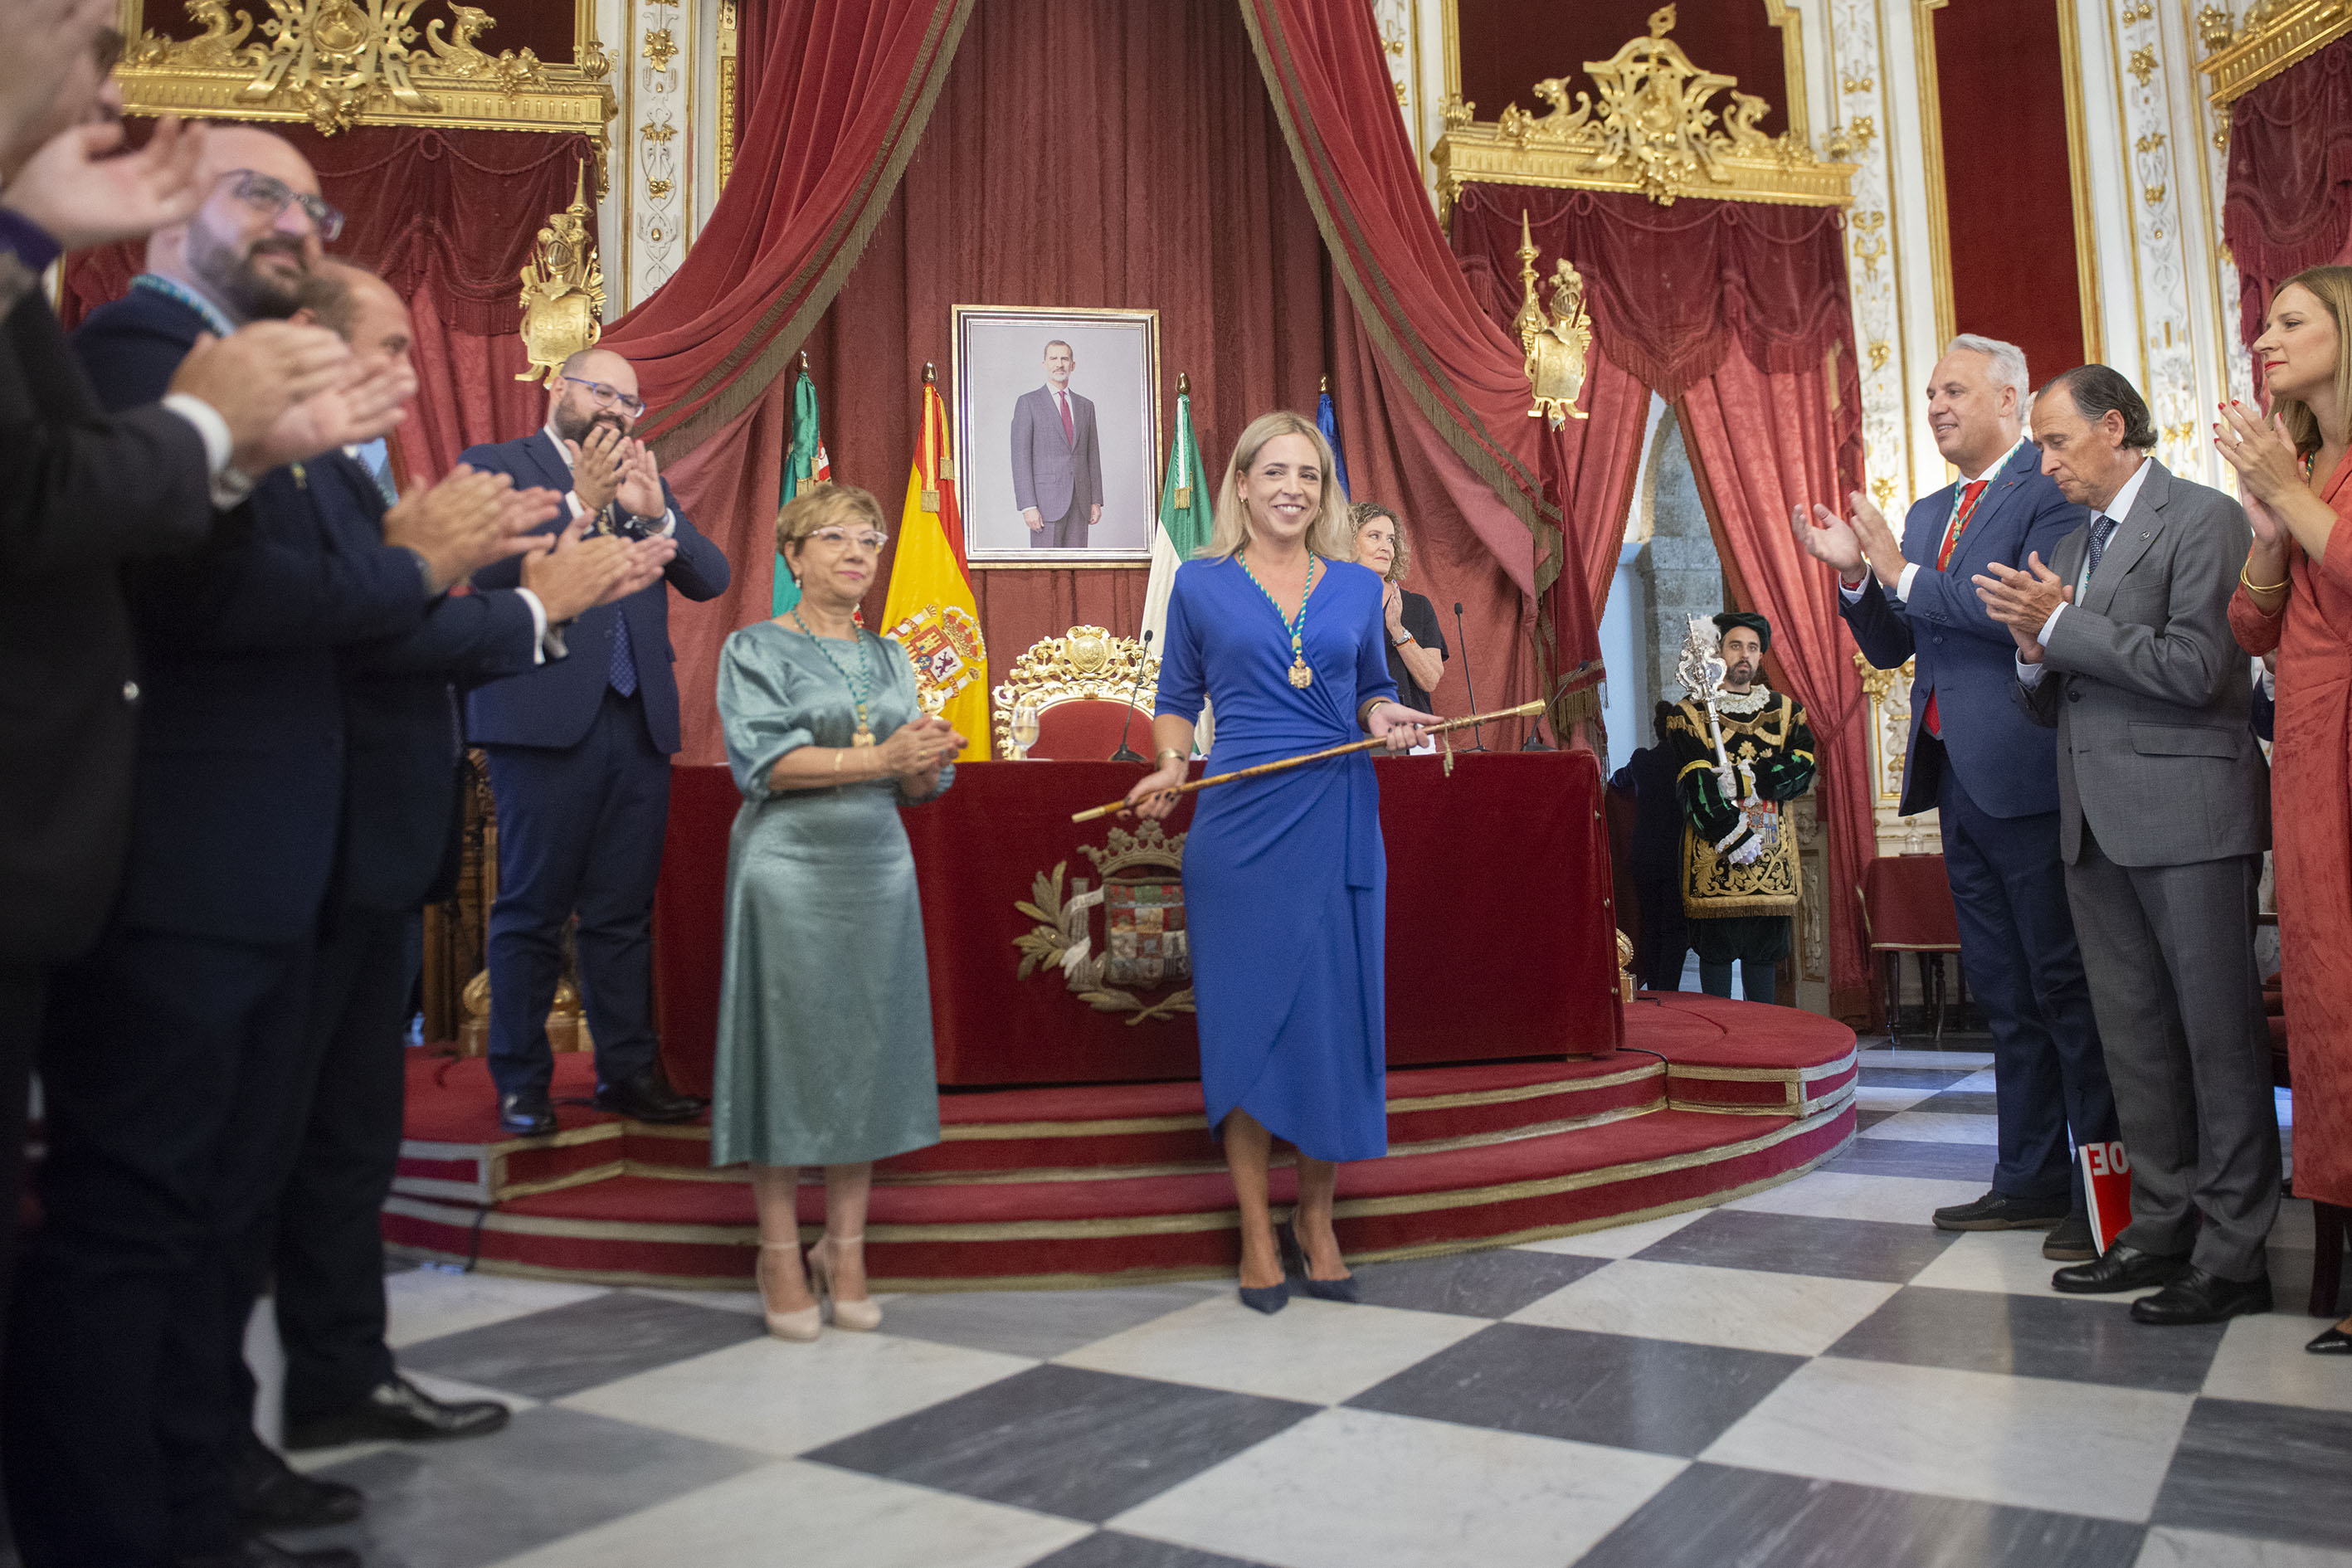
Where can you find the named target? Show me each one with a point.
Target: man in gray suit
(2163, 814)
(1057, 479)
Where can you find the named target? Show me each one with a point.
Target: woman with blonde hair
(1417, 651)
(825, 1021)
(2295, 596)
(1285, 876)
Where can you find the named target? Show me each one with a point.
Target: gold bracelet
(838, 753)
(2255, 587)
(1166, 752)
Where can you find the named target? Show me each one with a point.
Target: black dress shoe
(1998, 1211)
(527, 1112)
(2071, 1241)
(260, 1552)
(2334, 1341)
(270, 1494)
(648, 1097)
(398, 1411)
(2120, 1267)
(2198, 1296)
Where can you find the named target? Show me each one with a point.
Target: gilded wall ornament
(1555, 342)
(562, 290)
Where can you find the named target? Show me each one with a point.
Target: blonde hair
(824, 505)
(2332, 287)
(1329, 533)
(1359, 517)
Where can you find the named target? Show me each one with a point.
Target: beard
(245, 289)
(1741, 675)
(573, 425)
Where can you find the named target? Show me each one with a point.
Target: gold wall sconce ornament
(1654, 130)
(337, 64)
(2269, 38)
(562, 290)
(1555, 341)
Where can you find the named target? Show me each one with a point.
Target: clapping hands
(920, 747)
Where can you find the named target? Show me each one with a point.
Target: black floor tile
(1715, 1515)
(1653, 1394)
(1910, 1077)
(551, 1473)
(1475, 1284)
(563, 1350)
(1960, 1102)
(1913, 1157)
(1862, 1119)
(1803, 1244)
(2262, 1470)
(1063, 1440)
(1109, 1549)
(2032, 1336)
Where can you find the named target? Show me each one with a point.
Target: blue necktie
(2102, 529)
(624, 673)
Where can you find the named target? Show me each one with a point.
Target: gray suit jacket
(2147, 690)
(1050, 473)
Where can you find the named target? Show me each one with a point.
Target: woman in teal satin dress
(825, 1021)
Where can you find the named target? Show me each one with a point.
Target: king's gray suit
(1061, 475)
(2163, 803)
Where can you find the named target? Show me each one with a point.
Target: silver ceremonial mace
(1701, 671)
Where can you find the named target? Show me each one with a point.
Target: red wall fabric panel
(2008, 186)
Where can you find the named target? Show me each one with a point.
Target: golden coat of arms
(1555, 341)
(1145, 946)
(944, 646)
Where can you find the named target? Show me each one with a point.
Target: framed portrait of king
(1057, 434)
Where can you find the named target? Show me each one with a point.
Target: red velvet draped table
(1501, 939)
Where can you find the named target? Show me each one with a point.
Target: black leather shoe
(528, 1113)
(648, 1097)
(2120, 1267)
(1997, 1211)
(2198, 1296)
(2070, 1241)
(398, 1411)
(2334, 1341)
(260, 1552)
(270, 1494)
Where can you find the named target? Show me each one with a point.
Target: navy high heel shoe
(1267, 1299)
(1293, 1255)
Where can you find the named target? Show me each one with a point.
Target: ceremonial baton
(1523, 710)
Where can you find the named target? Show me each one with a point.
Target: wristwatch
(1402, 641)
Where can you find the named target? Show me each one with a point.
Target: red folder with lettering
(2106, 1182)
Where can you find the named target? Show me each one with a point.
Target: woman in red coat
(2295, 595)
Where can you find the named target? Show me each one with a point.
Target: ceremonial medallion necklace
(860, 689)
(1300, 675)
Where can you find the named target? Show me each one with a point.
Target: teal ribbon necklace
(861, 688)
(1300, 675)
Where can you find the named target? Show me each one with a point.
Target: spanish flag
(930, 610)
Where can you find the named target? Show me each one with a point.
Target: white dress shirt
(2118, 507)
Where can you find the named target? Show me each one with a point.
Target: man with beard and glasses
(169, 1060)
(1740, 861)
(578, 754)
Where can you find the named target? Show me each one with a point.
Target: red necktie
(1976, 488)
(1069, 431)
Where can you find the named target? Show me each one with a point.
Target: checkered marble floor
(1810, 1376)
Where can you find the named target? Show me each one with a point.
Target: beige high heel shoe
(863, 1314)
(804, 1324)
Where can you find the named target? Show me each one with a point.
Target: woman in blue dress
(1285, 878)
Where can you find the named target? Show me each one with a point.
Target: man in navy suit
(578, 754)
(1057, 479)
(170, 1059)
(1989, 774)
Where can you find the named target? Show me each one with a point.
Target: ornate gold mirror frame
(1656, 130)
(340, 63)
(2272, 35)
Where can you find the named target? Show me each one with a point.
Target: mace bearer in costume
(1741, 750)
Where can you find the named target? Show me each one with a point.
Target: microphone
(1477, 732)
(1125, 753)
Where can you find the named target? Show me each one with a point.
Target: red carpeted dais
(1121, 1183)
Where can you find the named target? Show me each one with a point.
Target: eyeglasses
(270, 197)
(873, 539)
(604, 396)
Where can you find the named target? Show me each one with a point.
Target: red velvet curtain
(1762, 442)
(448, 218)
(2288, 205)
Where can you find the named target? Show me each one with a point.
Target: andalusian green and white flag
(1187, 511)
(804, 463)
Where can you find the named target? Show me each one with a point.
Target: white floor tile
(795, 1513)
(2293, 1226)
(1830, 1194)
(2028, 1442)
(1979, 1083)
(2262, 1358)
(2008, 1261)
(1904, 1057)
(1936, 1127)
(1354, 1488)
(1866, 1097)
(1618, 1240)
(2168, 1547)
(426, 1303)
(744, 1301)
(1795, 1314)
(453, 1389)
(785, 1399)
(1314, 1351)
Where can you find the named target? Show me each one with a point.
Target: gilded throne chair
(1087, 687)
